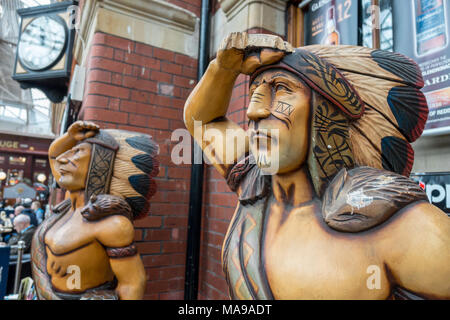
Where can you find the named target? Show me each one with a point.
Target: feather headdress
(367, 108)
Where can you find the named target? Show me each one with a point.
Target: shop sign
(437, 187)
(9, 144)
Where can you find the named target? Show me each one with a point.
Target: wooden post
(376, 24)
(295, 32)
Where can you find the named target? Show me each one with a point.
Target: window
(17, 161)
(384, 22)
(21, 110)
(40, 163)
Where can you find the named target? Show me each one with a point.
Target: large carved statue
(85, 250)
(338, 218)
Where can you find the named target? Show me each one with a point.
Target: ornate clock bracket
(49, 68)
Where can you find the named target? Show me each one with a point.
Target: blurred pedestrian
(38, 211)
(26, 209)
(24, 233)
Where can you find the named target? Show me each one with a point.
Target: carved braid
(41, 279)
(238, 172)
(100, 170)
(247, 179)
(122, 252)
(330, 148)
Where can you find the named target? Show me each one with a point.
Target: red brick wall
(141, 88)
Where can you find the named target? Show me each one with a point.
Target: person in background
(29, 212)
(38, 211)
(17, 210)
(25, 231)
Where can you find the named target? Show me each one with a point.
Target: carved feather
(375, 63)
(364, 197)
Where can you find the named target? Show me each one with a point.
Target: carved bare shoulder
(424, 213)
(115, 231)
(415, 247)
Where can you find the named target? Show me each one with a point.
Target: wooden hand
(77, 132)
(244, 53)
(81, 130)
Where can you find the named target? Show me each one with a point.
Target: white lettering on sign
(319, 4)
(437, 80)
(447, 203)
(437, 193)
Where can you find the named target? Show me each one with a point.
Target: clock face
(42, 43)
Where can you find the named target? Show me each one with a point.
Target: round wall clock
(42, 42)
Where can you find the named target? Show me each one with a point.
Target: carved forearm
(61, 145)
(210, 98)
(130, 274)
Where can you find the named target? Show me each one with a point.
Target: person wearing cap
(326, 209)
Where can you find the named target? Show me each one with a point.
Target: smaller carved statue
(85, 249)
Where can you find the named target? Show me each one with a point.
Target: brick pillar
(142, 88)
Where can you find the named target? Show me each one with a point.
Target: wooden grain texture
(283, 241)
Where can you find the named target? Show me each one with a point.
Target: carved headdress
(366, 108)
(123, 164)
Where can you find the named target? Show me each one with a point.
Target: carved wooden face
(279, 103)
(73, 166)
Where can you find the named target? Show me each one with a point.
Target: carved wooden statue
(85, 250)
(338, 219)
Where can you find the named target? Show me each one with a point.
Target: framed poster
(437, 187)
(331, 22)
(428, 45)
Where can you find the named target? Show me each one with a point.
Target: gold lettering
(9, 144)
